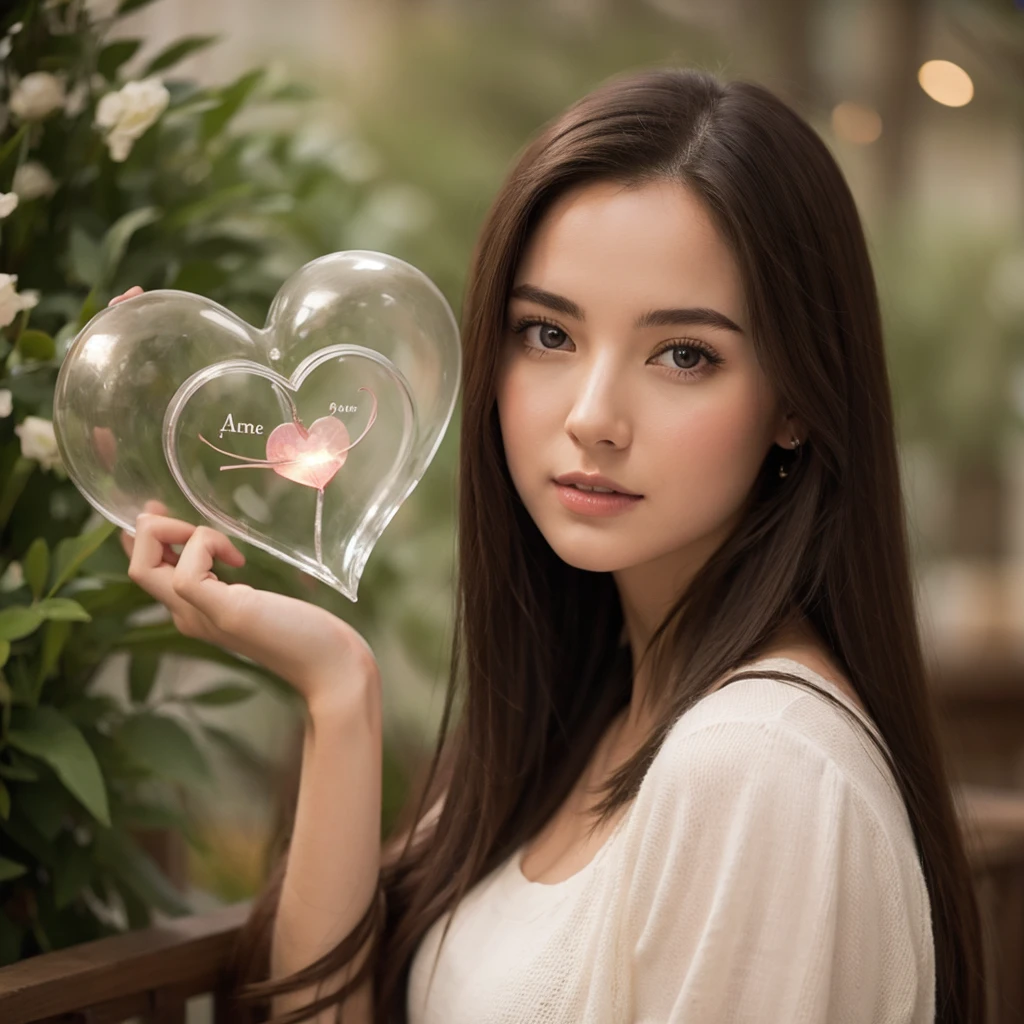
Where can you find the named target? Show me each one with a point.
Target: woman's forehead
(649, 246)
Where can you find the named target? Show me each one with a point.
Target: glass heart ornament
(302, 438)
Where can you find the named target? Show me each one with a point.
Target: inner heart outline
(378, 514)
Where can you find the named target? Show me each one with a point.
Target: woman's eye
(685, 358)
(548, 335)
(689, 360)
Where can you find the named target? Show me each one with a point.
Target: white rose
(127, 113)
(32, 180)
(8, 203)
(38, 441)
(6, 404)
(119, 145)
(11, 303)
(37, 96)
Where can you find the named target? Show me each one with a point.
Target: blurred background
(410, 112)
(423, 104)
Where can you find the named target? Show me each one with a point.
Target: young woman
(694, 774)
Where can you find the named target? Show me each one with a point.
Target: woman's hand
(323, 657)
(130, 294)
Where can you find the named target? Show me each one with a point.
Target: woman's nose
(599, 413)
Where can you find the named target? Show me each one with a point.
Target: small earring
(794, 442)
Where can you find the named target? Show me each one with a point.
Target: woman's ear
(790, 428)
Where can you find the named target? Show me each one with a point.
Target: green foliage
(954, 319)
(198, 202)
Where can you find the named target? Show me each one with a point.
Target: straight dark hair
(537, 673)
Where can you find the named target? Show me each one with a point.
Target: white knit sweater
(765, 874)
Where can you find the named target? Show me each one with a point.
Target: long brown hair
(537, 671)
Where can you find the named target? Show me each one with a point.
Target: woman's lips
(594, 503)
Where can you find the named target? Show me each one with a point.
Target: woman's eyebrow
(699, 316)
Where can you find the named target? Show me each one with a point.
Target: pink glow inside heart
(320, 455)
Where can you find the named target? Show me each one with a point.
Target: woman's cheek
(521, 417)
(714, 453)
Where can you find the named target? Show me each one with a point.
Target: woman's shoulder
(773, 737)
(760, 817)
(761, 760)
(762, 724)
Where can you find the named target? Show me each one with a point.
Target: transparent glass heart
(303, 438)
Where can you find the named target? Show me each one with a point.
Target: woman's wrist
(348, 695)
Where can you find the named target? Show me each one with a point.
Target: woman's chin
(590, 557)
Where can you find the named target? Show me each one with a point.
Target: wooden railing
(151, 974)
(996, 850)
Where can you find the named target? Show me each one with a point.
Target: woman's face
(627, 353)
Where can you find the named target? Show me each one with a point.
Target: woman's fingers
(128, 540)
(199, 602)
(194, 579)
(148, 567)
(130, 294)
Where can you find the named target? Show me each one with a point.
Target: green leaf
(18, 622)
(209, 207)
(36, 566)
(45, 804)
(9, 869)
(217, 696)
(115, 242)
(90, 308)
(113, 55)
(178, 51)
(200, 276)
(10, 147)
(35, 344)
(117, 597)
(45, 733)
(85, 258)
(142, 675)
(72, 874)
(55, 635)
(233, 97)
(24, 833)
(165, 747)
(18, 773)
(88, 709)
(63, 609)
(5, 802)
(16, 481)
(6, 696)
(73, 551)
(19, 682)
(10, 940)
